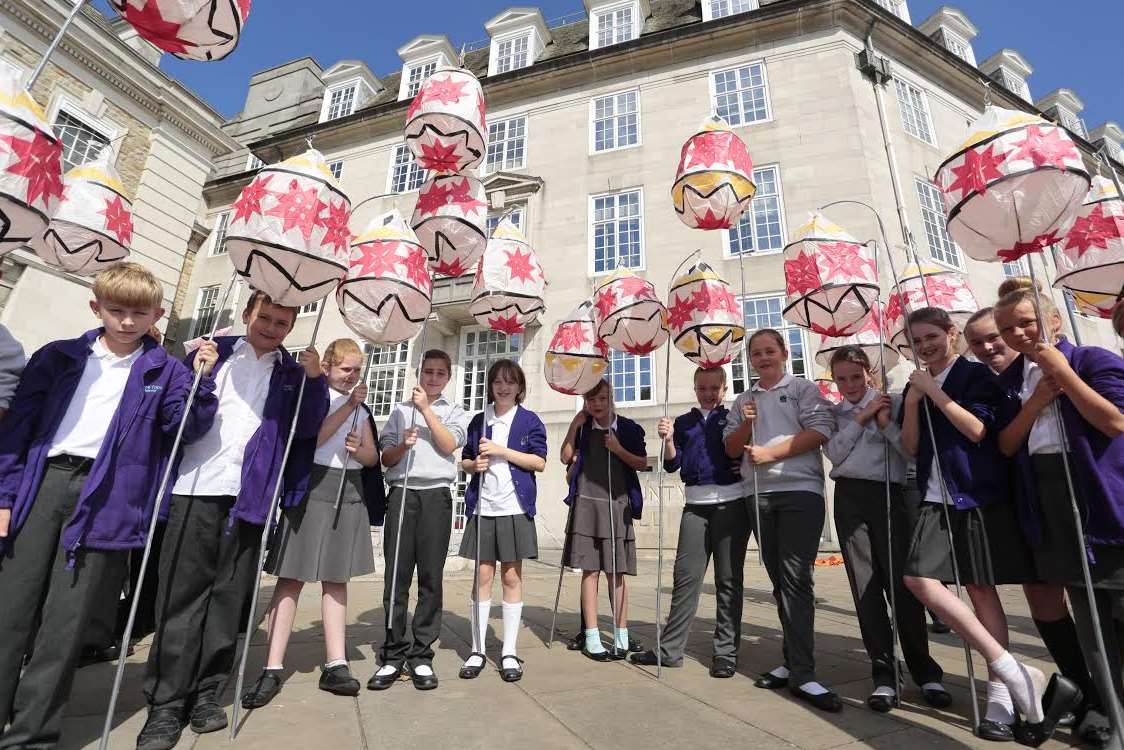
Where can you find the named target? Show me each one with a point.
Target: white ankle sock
(336, 663)
(813, 688)
(483, 612)
(1025, 683)
(277, 668)
(388, 669)
(781, 671)
(885, 690)
(999, 705)
(512, 617)
(474, 661)
(423, 670)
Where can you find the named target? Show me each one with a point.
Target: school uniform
(221, 498)
(791, 501)
(11, 365)
(714, 523)
(86, 441)
(859, 455)
(426, 511)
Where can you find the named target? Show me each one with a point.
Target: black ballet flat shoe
(1062, 695)
(994, 731)
(883, 704)
(597, 656)
(770, 681)
(577, 643)
(648, 659)
(511, 674)
(723, 669)
(264, 690)
(617, 653)
(383, 681)
(828, 701)
(337, 680)
(635, 645)
(937, 698)
(423, 682)
(469, 672)
(207, 716)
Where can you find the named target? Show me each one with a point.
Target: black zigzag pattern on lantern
(106, 248)
(715, 191)
(255, 254)
(619, 319)
(516, 304)
(465, 134)
(346, 294)
(734, 334)
(9, 218)
(804, 305)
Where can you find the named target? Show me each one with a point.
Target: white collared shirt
(933, 491)
(782, 383)
(1044, 437)
(212, 465)
(497, 489)
(597, 425)
(95, 401)
(330, 453)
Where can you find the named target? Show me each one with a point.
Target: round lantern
(288, 233)
(576, 359)
(1090, 259)
(704, 317)
(828, 389)
(189, 29)
(1013, 187)
(387, 294)
(929, 287)
(30, 166)
(445, 124)
(451, 218)
(714, 181)
(93, 228)
(509, 287)
(630, 317)
(831, 280)
(877, 347)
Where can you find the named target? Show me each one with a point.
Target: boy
(715, 522)
(83, 449)
(209, 556)
(425, 529)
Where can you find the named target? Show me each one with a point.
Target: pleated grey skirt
(502, 538)
(315, 542)
(990, 549)
(589, 544)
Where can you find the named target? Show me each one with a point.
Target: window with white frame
(1071, 121)
(459, 518)
(761, 228)
(915, 111)
(405, 173)
(616, 25)
(1014, 268)
(959, 46)
(631, 377)
(941, 246)
(253, 163)
(416, 75)
(310, 309)
(514, 53)
(765, 312)
(507, 144)
(80, 142)
(336, 168)
(494, 217)
(741, 95)
(206, 310)
(387, 367)
(617, 233)
(1015, 84)
(713, 9)
(479, 349)
(616, 121)
(897, 7)
(341, 101)
(218, 247)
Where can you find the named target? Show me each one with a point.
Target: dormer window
(1072, 121)
(714, 9)
(1014, 84)
(897, 7)
(951, 29)
(1063, 106)
(615, 22)
(416, 76)
(513, 53)
(341, 101)
(1009, 69)
(959, 46)
(519, 36)
(421, 57)
(348, 85)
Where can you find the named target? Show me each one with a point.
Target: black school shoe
(338, 681)
(881, 703)
(470, 671)
(381, 681)
(264, 690)
(937, 698)
(994, 731)
(207, 716)
(509, 673)
(162, 729)
(577, 643)
(770, 681)
(423, 682)
(648, 659)
(1062, 695)
(723, 669)
(828, 701)
(91, 655)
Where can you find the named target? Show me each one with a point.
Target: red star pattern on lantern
(432, 198)
(634, 286)
(452, 267)
(509, 325)
(569, 336)
(481, 110)
(706, 149)
(298, 208)
(938, 293)
(681, 312)
(640, 348)
(1049, 148)
(164, 34)
(894, 306)
(1036, 245)
(438, 157)
(338, 233)
(415, 106)
(443, 90)
(801, 274)
(376, 259)
(416, 265)
(461, 194)
(1094, 231)
(249, 202)
(39, 162)
(740, 156)
(520, 265)
(244, 8)
(978, 169)
(724, 299)
(710, 221)
(841, 260)
(605, 303)
(118, 219)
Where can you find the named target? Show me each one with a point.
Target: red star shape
(801, 274)
(152, 26)
(832, 331)
(979, 168)
(376, 260)
(681, 312)
(338, 233)
(841, 260)
(482, 112)
(520, 264)
(443, 90)
(454, 267)
(606, 302)
(568, 337)
(724, 299)
(461, 194)
(415, 106)
(710, 221)
(509, 325)
(299, 208)
(433, 197)
(40, 161)
(118, 219)
(249, 202)
(416, 265)
(634, 286)
(1036, 245)
(1050, 148)
(938, 292)
(641, 348)
(740, 156)
(704, 150)
(1094, 231)
(439, 158)
(244, 8)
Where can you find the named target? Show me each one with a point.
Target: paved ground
(567, 701)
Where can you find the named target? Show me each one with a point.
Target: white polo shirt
(497, 490)
(95, 401)
(1044, 436)
(331, 452)
(933, 491)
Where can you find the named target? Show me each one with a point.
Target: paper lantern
(1013, 187)
(576, 359)
(1090, 259)
(451, 218)
(831, 280)
(288, 232)
(93, 227)
(630, 317)
(445, 124)
(714, 181)
(828, 388)
(189, 29)
(30, 166)
(704, 317)
(508, 291)
(878, 349)
(387, 294)
(947, 290)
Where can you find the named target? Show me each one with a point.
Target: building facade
(586, 121)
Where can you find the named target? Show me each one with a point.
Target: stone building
(586, 118)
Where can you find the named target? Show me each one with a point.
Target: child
(1087, 383)
(777, 428)
(866, 423)
(967, 474)
(11, 365)
(83, 450)
(506, 447)
(604, 451)
(209, 557)
(714, 522)
(426, 451)
(315, 541)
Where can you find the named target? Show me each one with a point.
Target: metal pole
(107, 727)
(562, 562)
(749, 389)
(266, 528)
(614, 602)
(476, 571)
(344, 457)
(1065, 292)
(78, 5)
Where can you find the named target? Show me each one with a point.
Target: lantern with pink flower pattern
(1090, 258)
(714, 181)
(828, 388)
(445, 124)
(876, 345)
(451, 218)
(630, 317)
(928, 287)
(189, 29)
(576, 359)
(704, 317)
(508, 291)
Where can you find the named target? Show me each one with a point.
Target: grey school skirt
(502, 538)
(314, 542)
(990, 549)
(589, 543)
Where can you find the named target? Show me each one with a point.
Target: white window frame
(336, 168)
(933, 218)
(593, 150)
(495, 58)
(637, 386)
(404, 88)
(1014, 268)
(197, 327)
(518, 216)
(326, 108)
(708, 8)
(727, 245)
(1015, 83)
(222, 224)
(736, 70)
(253, 162)
(111, 132)
(786, 328)
(312, 308)
(927, 114)
(590, 230)
(516, 349)
(896, 7)
(390, 189)
(1072, 121)
(599, 14)
(396, 366)
(502, 144)
(951, 38)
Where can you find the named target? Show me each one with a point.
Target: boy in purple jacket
(86, 441)
(208, 561)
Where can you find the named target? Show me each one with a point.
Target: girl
(777, 428)
(317, 542)
(1087, 383)
(968, 474)
(604, 451)
(506, 446)
(866, 423)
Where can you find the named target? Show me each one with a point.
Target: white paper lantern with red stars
(446, 129)
(93, 228)
(387, 294)
(507, 294)
(947, 290)
(1090, 258)
(828, 388)
(878, 348)
(189, 29)
(831, 280)
(714, 181)
(630, 317)
(1013, 187)
(704, 317)
(576, 359)
(451, 218)
(288, 233)
(31, 186)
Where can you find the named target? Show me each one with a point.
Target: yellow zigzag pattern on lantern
(313, 160)
(24, 100)
(381, 233)
(1016, 120)
(691, 278)
(571, 363)
(1101, 189)
(508, 231)
(93, 174)
(817, 228)
(707, 182)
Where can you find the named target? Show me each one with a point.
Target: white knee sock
(512, 619)
(483, 612)
(1025, 683)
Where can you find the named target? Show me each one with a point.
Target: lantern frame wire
(354, 426)
(749, 389)
(54, 45)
